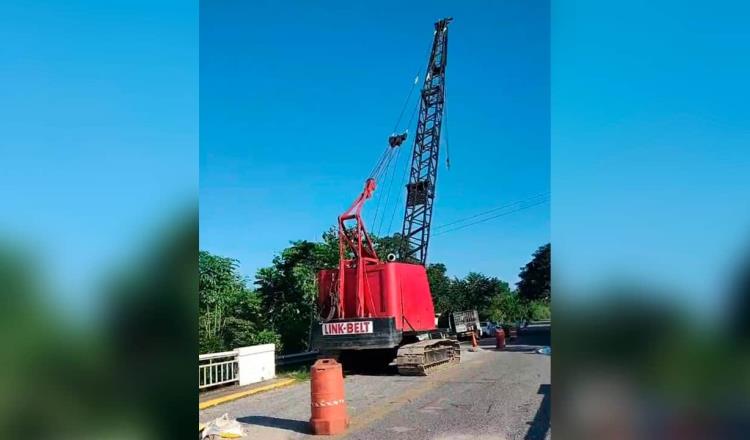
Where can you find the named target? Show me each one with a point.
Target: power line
(502, 214)
(489, 211)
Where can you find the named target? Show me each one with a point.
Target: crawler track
(424, 357)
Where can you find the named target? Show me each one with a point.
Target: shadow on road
(522, 348)
(540, 424)
(303, 427)
(390, 370)
(528, 341)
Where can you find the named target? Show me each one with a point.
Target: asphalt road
(489, 395)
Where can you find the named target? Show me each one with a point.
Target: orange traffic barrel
(500, 339)
(327, 403)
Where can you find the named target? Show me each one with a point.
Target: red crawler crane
(374, 310)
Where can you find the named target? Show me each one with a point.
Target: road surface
(489, 395)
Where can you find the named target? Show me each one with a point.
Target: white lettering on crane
(347, 328)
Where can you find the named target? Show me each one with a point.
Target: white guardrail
(217, 369)
(243, 366)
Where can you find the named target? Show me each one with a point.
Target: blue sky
(99, 117)
(650, 140)
(648, 114)
(297, 102)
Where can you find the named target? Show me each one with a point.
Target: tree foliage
(535, 276)
(488, 295)
(492, 297)
(288, 291)
(440, 287)
(476, 291)
(230, 314)
(282, 306)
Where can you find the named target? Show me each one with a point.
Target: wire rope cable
(522, 207)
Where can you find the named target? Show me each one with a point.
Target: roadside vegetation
(298, 373)
(278, 305)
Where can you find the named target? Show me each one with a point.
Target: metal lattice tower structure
(420, 191)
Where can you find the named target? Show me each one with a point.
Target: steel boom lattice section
(420, 191)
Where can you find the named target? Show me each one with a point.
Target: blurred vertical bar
(650, 170)
(98, 219)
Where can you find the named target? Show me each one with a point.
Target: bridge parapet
(243, 366)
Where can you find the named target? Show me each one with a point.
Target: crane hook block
(396, 140)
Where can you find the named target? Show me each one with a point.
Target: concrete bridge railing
(243, 366)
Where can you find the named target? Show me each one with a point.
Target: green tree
(230, 314)
(391, 244)
(508, 307)
(218, 286)
(247, 324)
(535, 276)
(538, 310)
(440, 287)
(476, 291)
(326, 252)
(288, 289)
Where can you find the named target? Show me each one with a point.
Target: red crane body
(392, 289)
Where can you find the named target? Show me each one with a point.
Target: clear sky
(297, 103)
(648, 114)
(650, 140)
(99, 122)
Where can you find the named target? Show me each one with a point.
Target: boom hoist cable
(397, 137)
(384, 165)
(403, 135)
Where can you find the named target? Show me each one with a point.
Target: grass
(299, 373)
